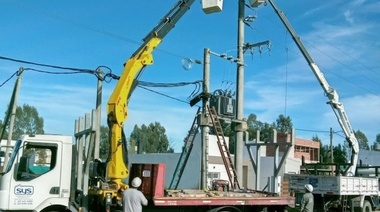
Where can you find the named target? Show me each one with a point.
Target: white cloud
(175, 119)
(362, 113)
(358, 2)
(348, 16)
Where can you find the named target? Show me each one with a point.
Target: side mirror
(23, 165)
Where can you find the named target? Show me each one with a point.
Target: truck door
(37, 176)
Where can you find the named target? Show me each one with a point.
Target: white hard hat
(136, 182)
(309, 187)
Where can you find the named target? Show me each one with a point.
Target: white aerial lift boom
(330, 92)
(346, 191)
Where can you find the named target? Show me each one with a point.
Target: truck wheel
(55, 209)
(367, 207)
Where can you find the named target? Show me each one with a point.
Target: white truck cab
(38, 174)
(3, 150)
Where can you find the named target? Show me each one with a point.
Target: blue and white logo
(24, 190)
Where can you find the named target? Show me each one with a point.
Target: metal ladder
(223, 148)
(344, 203)
(188, 146)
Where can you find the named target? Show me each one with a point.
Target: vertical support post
(331, 145)
(89, 144)
(87, 125)
(12, 119)
(205, 128)
(275, 161)
(240, 91)
(258, 162)
(79, 142)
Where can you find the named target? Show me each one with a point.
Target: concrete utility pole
(98, 107)
(12, 118)
(205, 128)
(240, 92)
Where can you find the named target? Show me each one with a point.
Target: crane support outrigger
(330, 92)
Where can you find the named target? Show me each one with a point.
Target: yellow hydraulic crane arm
(118, 110)
(117, 105)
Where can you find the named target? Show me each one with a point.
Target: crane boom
(118, 101)
(330, 92)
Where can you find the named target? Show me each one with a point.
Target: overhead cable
(44, 65)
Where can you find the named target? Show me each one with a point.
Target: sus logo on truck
(24, 190)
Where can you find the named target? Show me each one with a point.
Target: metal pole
(240, 92)
(331, 145)
(258, 162)
(205, 127)
(12, 119)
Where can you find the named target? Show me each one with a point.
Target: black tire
(55, 209)
(367, 207)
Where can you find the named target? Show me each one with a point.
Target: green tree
(229, 131)
(316, 138)
(322, 149)
(104, 146)
(377, 138)
(1, 129)
(362, 139)
(284, 124)
(266, 129)
(27, 121)
(340, 154)
(376, 143)
(171, 149)
(152, 138)
(253, 126)
(42, 156)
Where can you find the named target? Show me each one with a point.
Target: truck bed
(202, 198)
(153, 188)
(334, 185)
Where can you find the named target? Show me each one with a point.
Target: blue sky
(341, 36)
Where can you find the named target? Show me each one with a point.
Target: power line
(8, 79)
(177, 84)
(44, 65)
(310, 130)
(73, 22)
(51, 72)
(347, 67)
(343, 52)
(106, 77)
(263, 31)
(84, 26)
(58, 73)
(162, 94)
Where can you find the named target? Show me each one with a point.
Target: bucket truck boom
(330, 92)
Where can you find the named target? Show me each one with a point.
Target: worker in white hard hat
(307, 202)
(134, 199)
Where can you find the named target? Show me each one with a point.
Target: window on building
(213, 175)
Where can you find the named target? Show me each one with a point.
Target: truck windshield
(13, 156)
